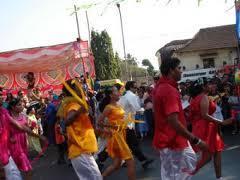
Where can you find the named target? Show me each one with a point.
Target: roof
(212, 38)
(173, 45)
(177, 42)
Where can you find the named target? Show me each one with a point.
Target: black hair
(107, 99)
(71, 85)
(129, 85)
(9, 98)
(156, 78)
(118, 86)
(13, 103)
(143, 88)
(99, 96)
(30, 73)
(20, 91)
(29, 109)
(62, 95)
(168, 64)
(196, 88)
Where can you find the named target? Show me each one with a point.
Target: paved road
(46, 168)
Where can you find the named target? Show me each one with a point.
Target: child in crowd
(34, 142)
(60, 141)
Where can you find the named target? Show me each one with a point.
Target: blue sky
(148, 25)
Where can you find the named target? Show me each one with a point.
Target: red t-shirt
(166, 100)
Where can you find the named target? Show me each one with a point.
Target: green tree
(131, 60)
(150, 68)
(106, 64)
(118, 64)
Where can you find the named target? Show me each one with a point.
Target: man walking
(171, 136)
(130, 104)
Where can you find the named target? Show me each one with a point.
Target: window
(208, 63)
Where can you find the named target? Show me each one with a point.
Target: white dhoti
(102, 143)
(86, 167)
(11, 171)
(177, 165)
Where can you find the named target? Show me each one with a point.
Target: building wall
(190, 59)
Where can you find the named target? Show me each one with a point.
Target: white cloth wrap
(86, 167)
(177, 165)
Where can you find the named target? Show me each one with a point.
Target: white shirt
(130, 104)
(218, 113)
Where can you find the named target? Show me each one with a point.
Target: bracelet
(196, 141)
(199, 141)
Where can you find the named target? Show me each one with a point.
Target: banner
(208, 73)
(199, 73)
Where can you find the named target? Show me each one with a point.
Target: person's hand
(227, 121)
(203, 146)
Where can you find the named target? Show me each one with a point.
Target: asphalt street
(47, 168)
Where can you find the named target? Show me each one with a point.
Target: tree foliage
(118, 64)
(131, 60)
(107, 64)
(150, 68)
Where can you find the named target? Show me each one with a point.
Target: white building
(209, 48)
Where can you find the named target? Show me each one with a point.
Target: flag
(237, 6)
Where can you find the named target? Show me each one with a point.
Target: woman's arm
(204, 106)
(24, 128)
(73, 114)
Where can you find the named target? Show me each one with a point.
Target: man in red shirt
(171, 136)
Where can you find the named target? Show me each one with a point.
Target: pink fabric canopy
(47, 63)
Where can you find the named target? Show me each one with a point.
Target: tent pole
(79, 38)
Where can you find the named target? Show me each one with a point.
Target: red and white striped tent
(47, 63)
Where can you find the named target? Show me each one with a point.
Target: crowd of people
(46, 117)
(91, 123)
(189, 118)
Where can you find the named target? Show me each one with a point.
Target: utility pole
(128, 71)
(76, 16)
(89, 33)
